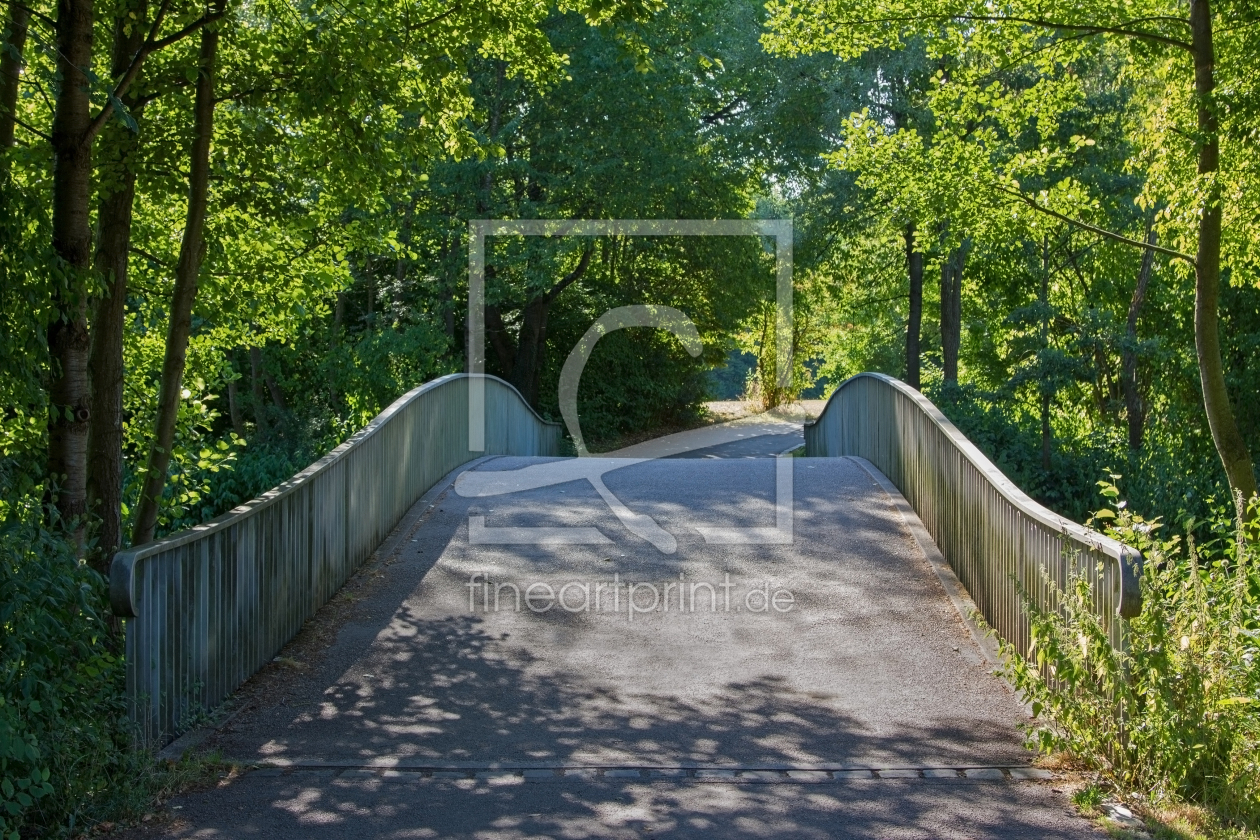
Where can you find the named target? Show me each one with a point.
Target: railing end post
(121, 569)
(1130, 583)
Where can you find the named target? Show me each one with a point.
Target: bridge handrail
(209, 606)
(996, 538)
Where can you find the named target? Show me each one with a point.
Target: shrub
(66, 753)
(62, 736)
(1176, 714)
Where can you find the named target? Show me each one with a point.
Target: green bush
(1167, 478)
(63, 741)
(635, 380)
(67, 760)
(1176, 715)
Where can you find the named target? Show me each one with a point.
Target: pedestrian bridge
(678, 610)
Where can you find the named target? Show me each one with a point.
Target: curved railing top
(124, 562)
(1007, 488)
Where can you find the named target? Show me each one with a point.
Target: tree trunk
(531, 341)
(1207, 287)
(256, 391)
(500, 341)
(485, 201)
(1047, 396)
(339, 314)
(234, 404)
(951, 309)
(117, 179)
(69, 393)
(277, 396)
(914, 266)
(11, 75)
(400, 264)
(1134, 406)
(191, 253)
(1046, 437)
(530, 349)
(106, 365)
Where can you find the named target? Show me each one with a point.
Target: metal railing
(996, 539)
(206, 608)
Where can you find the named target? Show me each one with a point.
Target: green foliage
(1167, 477)
(970, 116)
(1010, 436)
(25, 309)
(620, 137)
(1089, 797)
(760, 336)
(67, 760)
(1176, 714)
(198, 455)
(63, 739)
(352, 148)
(638, 380)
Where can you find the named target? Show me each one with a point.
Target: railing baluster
(993, 535)
(208, 607)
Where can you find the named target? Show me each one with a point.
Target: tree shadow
(426, 685)
(458, 698)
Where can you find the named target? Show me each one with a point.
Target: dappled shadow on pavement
(315, 804)
(458, 682)
(447, 692)
(871, 668)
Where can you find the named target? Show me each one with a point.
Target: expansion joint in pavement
(781, 775)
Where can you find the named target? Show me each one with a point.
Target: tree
(74, 130)
(18, 24)
(1150, 34)
(192, 251)
(116, 195)
(627, 135)
(406, 97)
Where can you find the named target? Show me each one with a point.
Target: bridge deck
(490, 722)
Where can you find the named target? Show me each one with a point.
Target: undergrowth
(67, 761)
(1175, 717)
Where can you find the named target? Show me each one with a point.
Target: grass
(1170, 724)
(156, 784)
(1088, 791)
(1165, 822)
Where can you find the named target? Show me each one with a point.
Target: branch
(436, 18)
(870, 301)
(1020, 59)
(1043, 24)
(572, 275)
(241, 94)
(32, 81)
(1137, 243)
(723, 112)
(201, 22)
(150, 257)
(42, 18)
(133, 69)
(157, 21)
(30, 128)
(150, 46)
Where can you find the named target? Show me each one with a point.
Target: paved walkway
(824, 687)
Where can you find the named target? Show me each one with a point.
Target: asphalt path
(822, 687)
